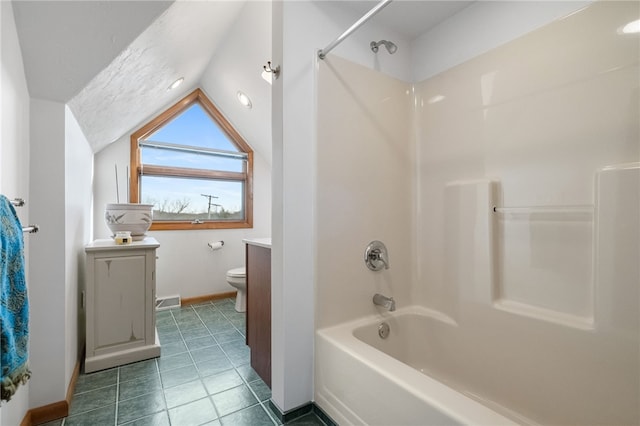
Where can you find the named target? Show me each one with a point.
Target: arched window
(194, 167)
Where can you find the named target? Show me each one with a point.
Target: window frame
(246, 176)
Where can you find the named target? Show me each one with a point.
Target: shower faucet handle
(376, 256)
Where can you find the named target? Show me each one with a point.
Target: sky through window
(193, 127)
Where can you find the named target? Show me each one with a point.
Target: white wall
(479, 28)
(47, 161)
(186, 266)
(78, 231)
(14, 158)
(247, 46)
(14, 155)
(48, 257)
(60, 190)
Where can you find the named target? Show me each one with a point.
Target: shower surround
(507, 191)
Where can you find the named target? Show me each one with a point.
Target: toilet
(237, 278)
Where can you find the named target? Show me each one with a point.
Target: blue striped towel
(14, 305)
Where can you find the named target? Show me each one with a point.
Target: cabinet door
(119, 301)
(259, 310)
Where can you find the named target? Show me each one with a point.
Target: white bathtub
(363, 379)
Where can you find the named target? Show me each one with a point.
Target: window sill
(185, 226)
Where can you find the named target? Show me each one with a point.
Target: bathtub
(364, 379)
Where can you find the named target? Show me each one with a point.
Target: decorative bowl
(132, 217)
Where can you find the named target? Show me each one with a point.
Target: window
(194, 167)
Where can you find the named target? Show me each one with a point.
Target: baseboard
(53, 411)
(207, 298)
(294, 413)
(26, 421)
(72, 383)
(323, 416)
(47, 413)
(300, 411)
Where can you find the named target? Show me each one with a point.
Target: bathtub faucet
(385, 302)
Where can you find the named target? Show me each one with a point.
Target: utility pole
(210, 197)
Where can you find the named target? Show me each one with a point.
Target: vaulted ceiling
(67, 43)
(111, 61)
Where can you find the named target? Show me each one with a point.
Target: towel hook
(275, 71)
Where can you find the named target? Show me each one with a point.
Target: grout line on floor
(115, 420)
(222, 311)
(235, 368)
(196, 365)
(164, 399)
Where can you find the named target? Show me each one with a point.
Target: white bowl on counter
(132, 217)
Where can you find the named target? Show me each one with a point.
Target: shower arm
(322, 53)
(389, 45)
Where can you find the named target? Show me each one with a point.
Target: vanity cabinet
(258, 266)
(120, 303)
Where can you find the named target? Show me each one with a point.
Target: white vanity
(120, 303)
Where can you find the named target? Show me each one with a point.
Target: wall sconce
(275, 72)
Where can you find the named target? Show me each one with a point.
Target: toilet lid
(237, 272)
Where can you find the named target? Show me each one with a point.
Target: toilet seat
(237, 273)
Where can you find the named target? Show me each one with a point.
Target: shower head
(391, 47)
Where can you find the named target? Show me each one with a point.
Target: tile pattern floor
(203, 377)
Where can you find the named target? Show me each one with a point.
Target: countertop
(109, 244)
(260, 242)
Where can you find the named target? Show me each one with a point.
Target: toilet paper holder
(215, 245)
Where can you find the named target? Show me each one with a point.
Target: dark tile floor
(203, 377)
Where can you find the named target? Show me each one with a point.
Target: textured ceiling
(66, 43)
(111, 61)
(134, 85)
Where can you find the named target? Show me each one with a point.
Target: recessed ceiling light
(243, 99)
(176, 83)
(632, 27)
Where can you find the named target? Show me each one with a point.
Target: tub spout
(385, 302)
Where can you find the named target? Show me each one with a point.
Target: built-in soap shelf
(544, 262)
(584, 212)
